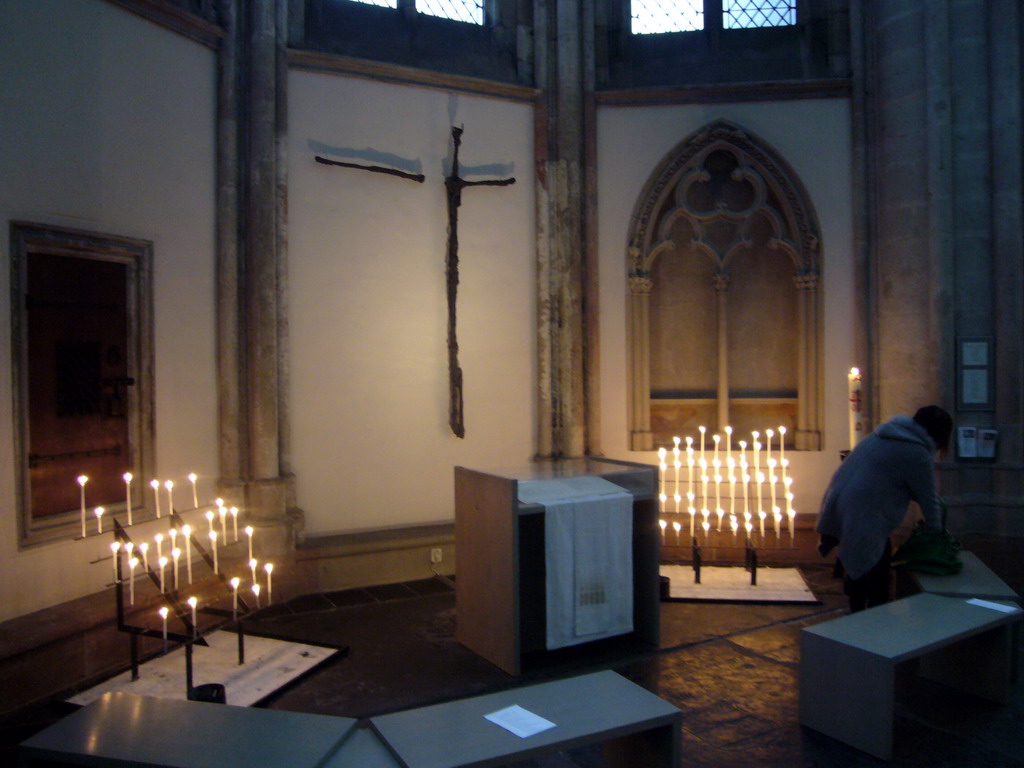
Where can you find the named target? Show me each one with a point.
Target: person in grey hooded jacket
(868, 496)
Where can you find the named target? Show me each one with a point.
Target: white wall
(108, 126)
(814, 138)
(368, 312)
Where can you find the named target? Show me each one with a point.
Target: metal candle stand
(181, 612)
(750, 557)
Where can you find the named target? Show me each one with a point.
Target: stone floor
(731, 668)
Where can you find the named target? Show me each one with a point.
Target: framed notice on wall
(974, 371)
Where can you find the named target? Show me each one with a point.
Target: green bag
(935, 552)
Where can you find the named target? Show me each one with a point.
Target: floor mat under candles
(269, 665)
(732, 584)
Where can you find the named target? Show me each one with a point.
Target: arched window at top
(725, 319)
(469, 11)
(649, 17)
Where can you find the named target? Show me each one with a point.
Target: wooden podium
(500, 589)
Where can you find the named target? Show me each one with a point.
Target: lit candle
(129, 548)
(854, 381)
(792, 519)
(676, 464)
(256, 591)
(664, 524)
(777, 514)
(223, 511)
(703, 430)
(728, 444)
(144, 549)
(750, 529)
(163, 564)
(99, 519)
(234, 523)
(218, 502)
(676, 526)
(782, 446)
(115, 546)
(159, 539)
(693, 516)
(677, 498)
(771, 479)
(176, 555)
(718, 485)
(169, 485)
(163, 616)
(732, 491)
(195, 497)
(213, 544)
(707, 527)
(734, 524)
(234, 599)
(717, 438)
(132, 562)
(253, 564)
(209, 518)
(663, 467)
(186, 531)
(128, 494)
(173, 534)
(761, 515)
(755, 447)
(82, 480)
(704, 482)
(193, 602)
(663, 500)
(248, 532)
(788, 483)
(269, 568)
(155, 485)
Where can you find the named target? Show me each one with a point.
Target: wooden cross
(454, 186)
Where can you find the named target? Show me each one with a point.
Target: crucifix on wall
(454, 185)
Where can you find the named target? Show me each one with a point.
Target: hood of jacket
(906, 429)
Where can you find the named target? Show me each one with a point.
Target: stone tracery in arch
(724, 267)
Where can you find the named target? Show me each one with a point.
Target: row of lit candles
(172, 536)
(193, 602)
(168, 486)
(748, 524)
(730, 464)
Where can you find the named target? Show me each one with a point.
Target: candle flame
(855, 372)
(154, 484)
(127, 477)
(193, 476)
(268, 567)
(235, 582)
(186, 530)
(163, 612)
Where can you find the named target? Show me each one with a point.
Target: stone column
(251, 284)
(565, 83)
(640, 285)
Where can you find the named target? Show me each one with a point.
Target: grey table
(123, 729)
(638, 727)
(975, 580)
(848, 665)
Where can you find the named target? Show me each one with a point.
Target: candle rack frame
(191, 636)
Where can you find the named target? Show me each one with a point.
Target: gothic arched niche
(725, 317)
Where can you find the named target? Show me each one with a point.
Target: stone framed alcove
(725, 318)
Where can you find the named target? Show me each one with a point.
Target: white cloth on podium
(588, 530)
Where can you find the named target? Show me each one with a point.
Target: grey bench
(638, 728)
(848, 665)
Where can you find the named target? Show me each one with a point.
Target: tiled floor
(732, 669)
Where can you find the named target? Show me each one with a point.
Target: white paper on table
(993, 606)
(521, 722)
